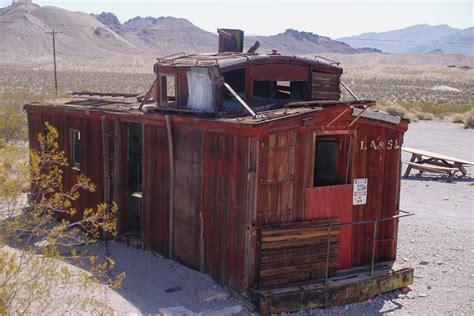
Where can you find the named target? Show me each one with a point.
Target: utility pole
(53, 33)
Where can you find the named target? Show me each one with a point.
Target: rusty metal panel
(333, 201)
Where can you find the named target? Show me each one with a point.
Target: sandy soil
(438, 242)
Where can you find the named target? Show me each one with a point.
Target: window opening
(134, 164)
(325, 165)
(268, 91)
(75, 148)
(235, 79)
(168, 88)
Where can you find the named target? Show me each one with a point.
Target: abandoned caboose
(250, 168)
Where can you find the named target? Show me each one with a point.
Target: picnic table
(423, 160)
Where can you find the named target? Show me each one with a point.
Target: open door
(134, 180)
(329, 193)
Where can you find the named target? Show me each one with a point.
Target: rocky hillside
(84, 36)
(24, 27)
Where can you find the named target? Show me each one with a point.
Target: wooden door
(188, 147)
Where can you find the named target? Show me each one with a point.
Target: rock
(176, 311)
(429, 287)
(405, 289)
(228, 311)
(207, 296)
(411, 295)
(423, 262)
(422, 295)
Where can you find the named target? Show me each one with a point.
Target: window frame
(74, 159)
(164, 75)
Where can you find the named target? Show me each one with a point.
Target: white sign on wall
(359, 195)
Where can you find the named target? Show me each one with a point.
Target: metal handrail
(374, 233)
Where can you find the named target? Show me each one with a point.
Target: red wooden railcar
(278, 200)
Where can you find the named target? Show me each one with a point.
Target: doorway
(134, 183)
(329, 194)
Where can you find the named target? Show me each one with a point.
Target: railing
(374, 234)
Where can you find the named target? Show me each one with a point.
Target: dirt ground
(438, 242)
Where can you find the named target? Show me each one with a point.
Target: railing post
(374, 236)
(328, 246)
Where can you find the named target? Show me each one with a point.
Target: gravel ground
(438, 242)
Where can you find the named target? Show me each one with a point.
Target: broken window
(168, 91)
(75, 148)
(235, 79)
(268, 91)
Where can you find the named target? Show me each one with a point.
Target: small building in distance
(250, 168)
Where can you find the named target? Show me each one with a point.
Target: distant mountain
(168, 35)
(296, 42)
(23, 34)
(23, 26)
(418, 39)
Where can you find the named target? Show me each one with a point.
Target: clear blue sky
(329, 18)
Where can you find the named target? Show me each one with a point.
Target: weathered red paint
(333, 201)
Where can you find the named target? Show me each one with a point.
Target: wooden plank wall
(91, 145)
(382, 168)
(188, 163)
(156, 183)
(296, 252)
(224, 207)
(325, 86)
(276, 179)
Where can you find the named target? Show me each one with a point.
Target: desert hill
(83, 36)
(418, 39)
(23, 29)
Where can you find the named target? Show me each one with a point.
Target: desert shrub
(469, 119)
(34, 242)
(457, 118)
(424, 116)
(395, 109)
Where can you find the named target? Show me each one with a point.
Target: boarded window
(325, 169)
(168, 84)
(75, 148)
(200, 95)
